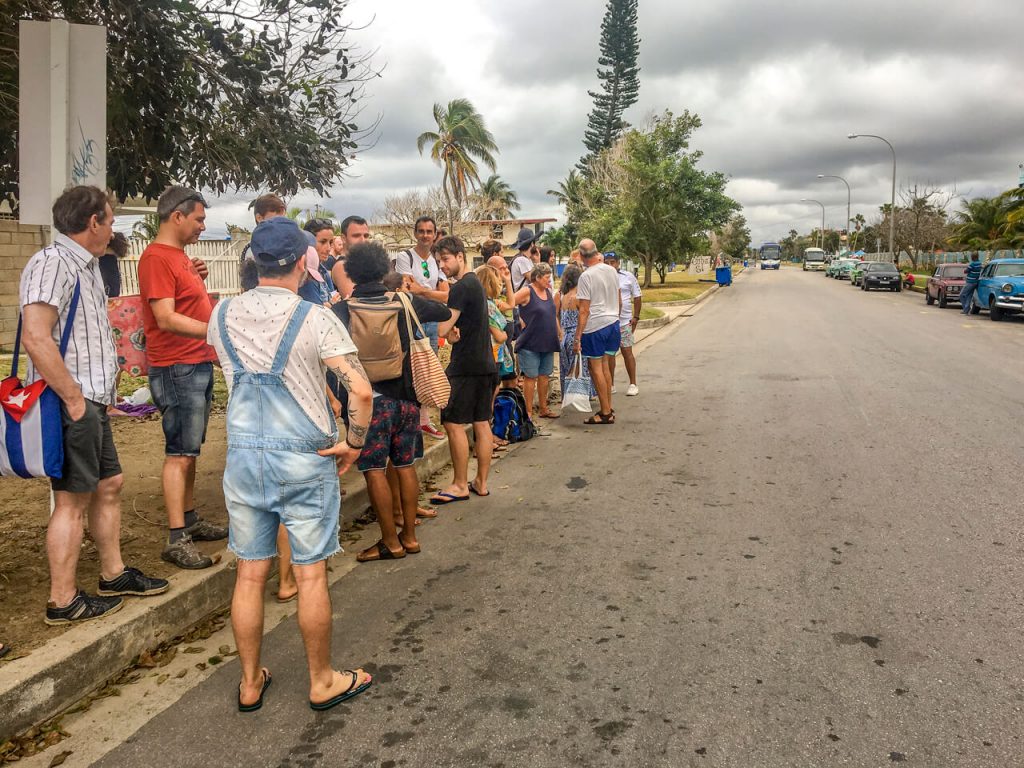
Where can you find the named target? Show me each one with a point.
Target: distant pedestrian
(632, 303)
(490, 250)
(284, 456)
(91, 479)
(322, 231)
(537, 343)
(600, 307)
(472, 372)
(394, 435)
(428, 282)
(263, 207)
(110, 269)
(971, 278)
(354, 230)
(528, 255)
(175, 311)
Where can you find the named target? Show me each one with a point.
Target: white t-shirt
(521, 268)
(629, 289)
(410, 263)
(256, 321)
(600, 285)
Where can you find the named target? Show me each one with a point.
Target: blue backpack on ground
(511, 421)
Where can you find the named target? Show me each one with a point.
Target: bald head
(588, 250)
(498, 263)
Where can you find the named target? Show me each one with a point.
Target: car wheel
(943, 301)
(995, 314)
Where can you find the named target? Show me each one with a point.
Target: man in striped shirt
(84, 379)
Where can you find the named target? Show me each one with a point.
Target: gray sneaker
(184, 554)
(204, 530)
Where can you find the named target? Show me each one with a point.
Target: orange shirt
(166, 272)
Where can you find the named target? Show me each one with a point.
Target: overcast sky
(778, 87)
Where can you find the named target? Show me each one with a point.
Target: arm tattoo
(357, 420)
(355, 368)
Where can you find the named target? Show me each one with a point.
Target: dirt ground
(24, 509)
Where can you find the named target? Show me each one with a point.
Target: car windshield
(889, 268)
(1008, 270)
(954, 271)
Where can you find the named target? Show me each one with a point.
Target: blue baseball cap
(611, 255)
(278, 241)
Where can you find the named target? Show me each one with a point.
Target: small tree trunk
(648, 263)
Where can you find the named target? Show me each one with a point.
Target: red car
(945, 285)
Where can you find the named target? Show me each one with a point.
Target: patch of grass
(649, 313)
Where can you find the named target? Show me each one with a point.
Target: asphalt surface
(799, 546)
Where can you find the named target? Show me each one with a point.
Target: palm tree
(570, 195)
(495, 200)
(981, 225)
(1014, 229)
(460, 141)
(147, 227)
(301, 215)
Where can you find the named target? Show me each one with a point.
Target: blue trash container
(559, 269)
(723, 275)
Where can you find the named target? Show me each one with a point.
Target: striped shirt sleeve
(48, 279)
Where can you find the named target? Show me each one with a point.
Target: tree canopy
(495, 199)
(647, 197)
(217, 94)
(619, 75)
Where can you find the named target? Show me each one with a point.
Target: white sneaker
(632, 390)
(613, 390)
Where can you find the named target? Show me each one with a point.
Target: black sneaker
(82, 608)
(204, 530)
(132, 581)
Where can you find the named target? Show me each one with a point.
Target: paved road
(798, 547)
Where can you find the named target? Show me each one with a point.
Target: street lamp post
(892, 205)
(830, 176)
(809, 200)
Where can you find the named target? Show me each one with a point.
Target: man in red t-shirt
(175, 311)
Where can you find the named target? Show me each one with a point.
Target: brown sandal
(601, 418)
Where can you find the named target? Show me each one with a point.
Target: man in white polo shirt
(600, 306)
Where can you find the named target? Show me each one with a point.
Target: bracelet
(353, 447)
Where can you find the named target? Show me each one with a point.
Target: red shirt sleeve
(156, 279)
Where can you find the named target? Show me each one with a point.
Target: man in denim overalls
(284, 457)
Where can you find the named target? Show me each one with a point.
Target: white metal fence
(221, 257)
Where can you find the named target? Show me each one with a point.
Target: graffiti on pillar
(83, 160)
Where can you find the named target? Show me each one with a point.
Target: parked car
(880, 274)
(846, 266)
(1000, 289)
(832, 270)
(858, 272)
(945, 285)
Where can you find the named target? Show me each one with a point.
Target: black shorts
(472, 399)
(89, 451)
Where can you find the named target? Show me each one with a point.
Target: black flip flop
(383, 553)
(473, 490)
(320, 706)
(443, 497)
(267, 680)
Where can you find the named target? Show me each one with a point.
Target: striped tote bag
(31, 432)
(428, 376)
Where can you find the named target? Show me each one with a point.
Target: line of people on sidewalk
(294, 360)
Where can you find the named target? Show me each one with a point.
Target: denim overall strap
(222, 317)
(291, 332)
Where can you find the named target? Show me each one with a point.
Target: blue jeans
(431, 330)
(184, 393)
(966, 294)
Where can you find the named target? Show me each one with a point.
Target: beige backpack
(373, 327)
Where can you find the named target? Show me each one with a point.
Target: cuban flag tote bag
(31, 433)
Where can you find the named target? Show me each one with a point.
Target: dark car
(945, 285)
(880, 274)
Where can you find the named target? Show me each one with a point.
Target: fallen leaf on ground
(181, 674)
(193, 649)
(59, 759)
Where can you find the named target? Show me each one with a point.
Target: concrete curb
(686, 302)
(54, 677)
(654, 322)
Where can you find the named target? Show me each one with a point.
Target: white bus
(814, 259)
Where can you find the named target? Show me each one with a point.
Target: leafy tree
(561, 240)
(400, 211)
(495, 200)
(147, 227)
(570, 195)
(460, 141)
(301, 215)
(734, 238)
(217, 94)
(619, 75)
(647, 197)
(921, 221)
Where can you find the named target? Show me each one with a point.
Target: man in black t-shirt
(472, 372)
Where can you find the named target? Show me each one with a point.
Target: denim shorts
(534, 364)
(601, 342)
(184, 393)
(394, 433)
(264, 488)
(430, 329)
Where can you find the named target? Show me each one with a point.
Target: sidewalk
(85, 658)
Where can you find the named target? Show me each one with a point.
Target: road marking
(966, 325)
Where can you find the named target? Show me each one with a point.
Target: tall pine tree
(619, 75)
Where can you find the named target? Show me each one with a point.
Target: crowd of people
(322, 331)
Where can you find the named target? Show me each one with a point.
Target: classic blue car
(1001, 288)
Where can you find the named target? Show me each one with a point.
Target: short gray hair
(539, 270)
